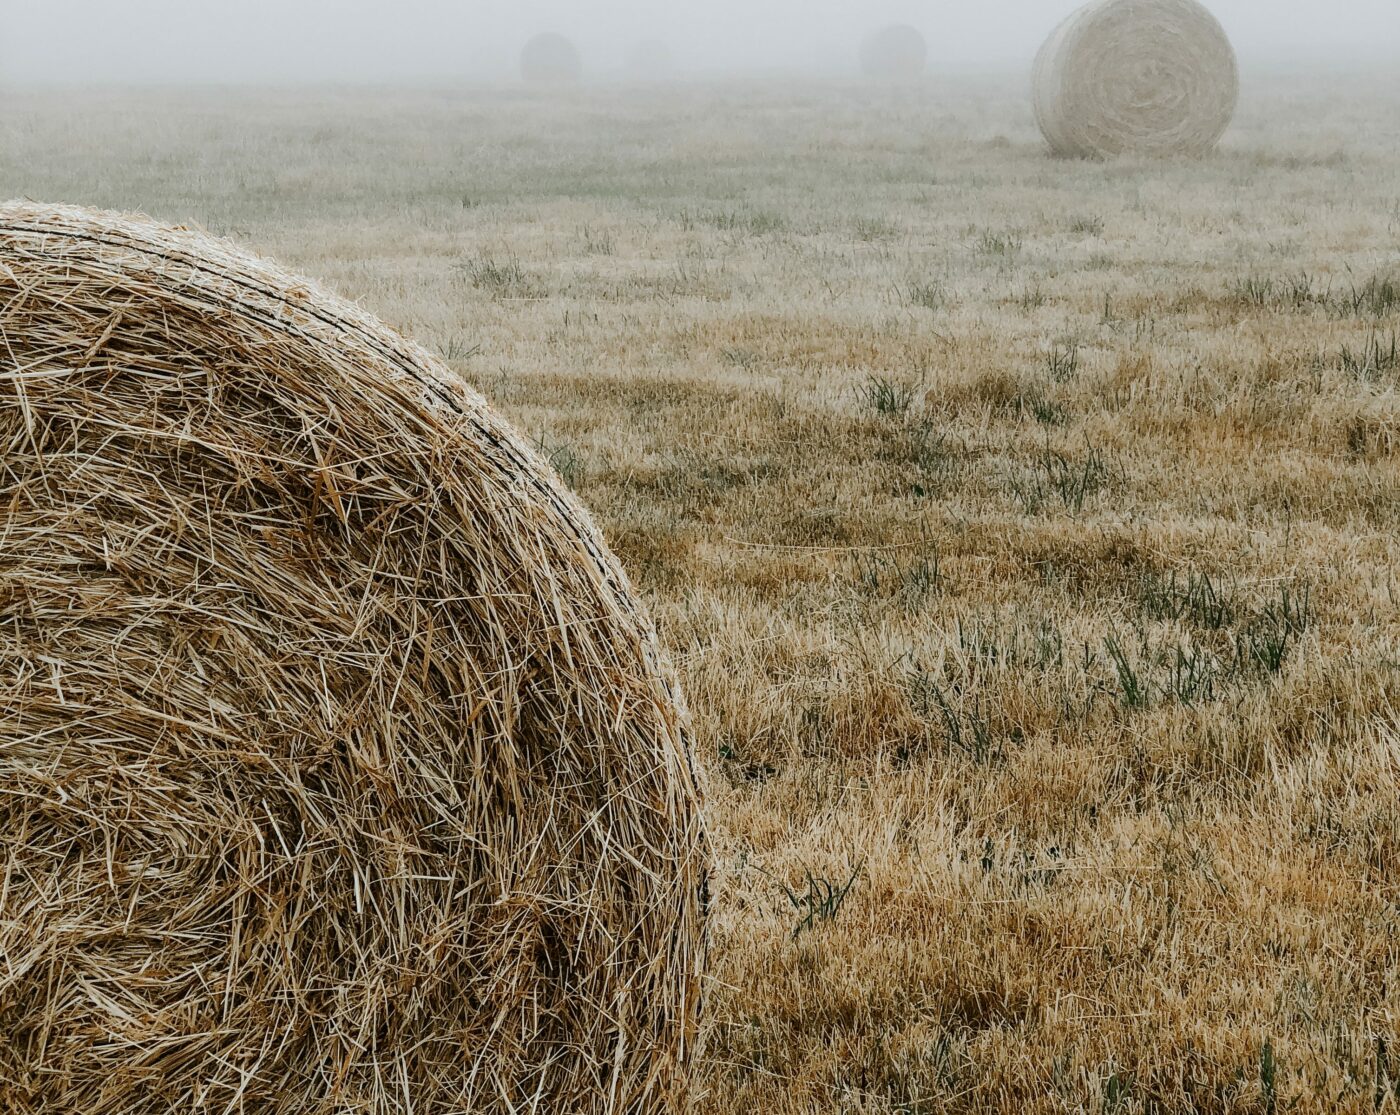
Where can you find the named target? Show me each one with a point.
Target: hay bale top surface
(550, 59)
(1140, 77)
(897, 52)
(342, 770)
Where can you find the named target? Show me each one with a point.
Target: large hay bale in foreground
(550, 59)
(1142, 77)
(895, 53)
(339, 767)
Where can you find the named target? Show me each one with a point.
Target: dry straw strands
(339, 769)
(897, 52)
(550, 59)
(1142, 77)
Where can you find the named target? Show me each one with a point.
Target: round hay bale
(550, 59)
(1140, 77)
(897, 53)
(340, 769)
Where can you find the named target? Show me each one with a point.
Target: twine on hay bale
(1141, 77)
(550, 59)
(897, 52)
(339, 767)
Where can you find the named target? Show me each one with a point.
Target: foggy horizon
(415, 41)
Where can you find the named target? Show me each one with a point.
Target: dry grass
(1025, 533)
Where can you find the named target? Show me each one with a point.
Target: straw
(1141, 77)
(340, 770)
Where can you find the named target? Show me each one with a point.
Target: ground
(1024, 532)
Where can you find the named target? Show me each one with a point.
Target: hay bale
(339, 766)
(1141, 77)
(894, 53)
(550, 59)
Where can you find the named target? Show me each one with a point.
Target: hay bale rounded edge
(897, 53)
(341, 768)
(551, 59)
(1137, 77)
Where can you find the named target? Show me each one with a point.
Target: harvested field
(1024, 532)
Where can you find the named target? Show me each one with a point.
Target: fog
(380, 41)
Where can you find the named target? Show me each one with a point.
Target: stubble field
(1025, 532)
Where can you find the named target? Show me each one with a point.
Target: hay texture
(339, 768)
(895, 53)
(550, 59)
(1138, 77)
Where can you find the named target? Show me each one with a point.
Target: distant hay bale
(550, 59)
(897, 52)
(1141, 77)
(341, 769)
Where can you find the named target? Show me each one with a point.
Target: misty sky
(432, 40)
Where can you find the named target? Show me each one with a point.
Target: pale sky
(377, 41)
